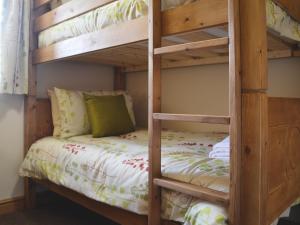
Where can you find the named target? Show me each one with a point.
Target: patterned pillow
(55, 113)
(73, 113)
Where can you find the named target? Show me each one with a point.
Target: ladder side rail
(234, 110)
(154, 106)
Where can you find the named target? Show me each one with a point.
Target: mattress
(125, 10)
(114, 170)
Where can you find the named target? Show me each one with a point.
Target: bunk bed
(264, 132)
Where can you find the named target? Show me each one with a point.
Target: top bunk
(116, 32)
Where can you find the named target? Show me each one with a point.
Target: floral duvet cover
(114, 170)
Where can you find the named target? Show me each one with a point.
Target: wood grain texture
(193, 118)
(112, 36)
(253, 44)
(291, 6)
(11, 205)
(254, 150)
(192, 46)
(67, 11)
(43, 119)
(254, 132)
(282, 161)
(198, 61)
(235, 106)
(196, 15)
(154, 106)
(136, 30)
(204, 194)
(115, 214)
(30, 112)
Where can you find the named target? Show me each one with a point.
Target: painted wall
(204, 90)
(65, 75)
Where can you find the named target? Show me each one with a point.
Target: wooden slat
(67, 11)
(168, 64)
(136, 30)
(194, 16)
(198, 15)
(39, 3)
(291, 6)
(194, 190)
(192, 118)
(154, 106)
(192, 46)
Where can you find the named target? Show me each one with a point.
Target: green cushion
(108, 115)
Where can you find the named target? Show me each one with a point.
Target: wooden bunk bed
(265, 175)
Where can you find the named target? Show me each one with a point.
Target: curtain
(14, 46)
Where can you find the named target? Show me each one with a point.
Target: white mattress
(124, 10)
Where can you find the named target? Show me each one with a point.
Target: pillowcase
(72, 111)
(128, 100)
(55, 113)
(73, 114)
(108, 115)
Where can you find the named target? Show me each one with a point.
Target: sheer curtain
(14, 46)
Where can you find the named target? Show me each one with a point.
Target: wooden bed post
(235, 110)
(154, 106)
(254, 111)
(119, 79)
(30, 126)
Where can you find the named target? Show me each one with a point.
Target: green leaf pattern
(113, 170)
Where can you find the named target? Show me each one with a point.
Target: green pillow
(108, 115)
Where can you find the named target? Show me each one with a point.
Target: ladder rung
(192, 118)
(192, 46)
(202, 193)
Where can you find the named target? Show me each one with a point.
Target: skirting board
(11, 205)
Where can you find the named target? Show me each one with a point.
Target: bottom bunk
(81, 168)
(114, 170)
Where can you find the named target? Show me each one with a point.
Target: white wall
(11, 145)
(204, 90)
(65, 75)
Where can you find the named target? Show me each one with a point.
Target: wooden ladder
(156, 181)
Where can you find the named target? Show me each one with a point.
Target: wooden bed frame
(265, 132)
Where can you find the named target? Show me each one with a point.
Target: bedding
(124, 10)
(113, 170)
(73, 117)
